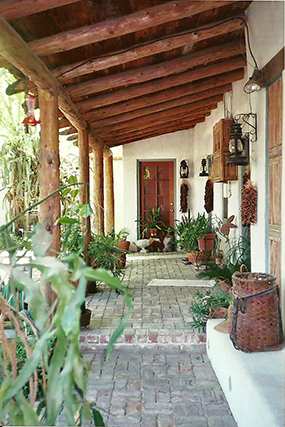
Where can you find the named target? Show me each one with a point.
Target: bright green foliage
(237, 255)
(19, 157)
(104, 252)
(192, 228)
(206, 304)
(65, 376)
(151, 220)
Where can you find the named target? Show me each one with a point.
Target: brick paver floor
(158, 374)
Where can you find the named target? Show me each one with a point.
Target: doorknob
(171, 210)
(171, 204)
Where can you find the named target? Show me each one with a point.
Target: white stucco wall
(266, 30)
(266, 25)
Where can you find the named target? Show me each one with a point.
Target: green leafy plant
(105, 253)
(64, 375)
(191, 229)
(19, 154)
(151, 220)
(206, 304)
(237, 255)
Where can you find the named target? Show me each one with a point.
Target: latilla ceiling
(133, 69)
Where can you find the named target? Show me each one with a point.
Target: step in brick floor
(158, 374)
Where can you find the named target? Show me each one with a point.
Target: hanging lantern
(31, 102)
(184, 169)
(238, 146)
(204, 171)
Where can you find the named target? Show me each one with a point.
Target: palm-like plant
(151, 220)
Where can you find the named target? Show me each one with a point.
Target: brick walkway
(158, 374)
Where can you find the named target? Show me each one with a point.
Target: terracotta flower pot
(124, 245)
(206, 243)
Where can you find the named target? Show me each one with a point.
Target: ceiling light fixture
(254, 83)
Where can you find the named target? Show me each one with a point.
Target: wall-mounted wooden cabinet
(222, 171)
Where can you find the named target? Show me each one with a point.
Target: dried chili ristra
(249, 204)
(209, 196)
(184, 197)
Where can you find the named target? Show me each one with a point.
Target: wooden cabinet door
(222, 171)
(275, 175)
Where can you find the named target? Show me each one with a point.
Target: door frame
(139, 161)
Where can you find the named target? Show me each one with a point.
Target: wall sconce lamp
(239, 142)
(206, 164)
(184, 169)
(254, 83)
(204, 168)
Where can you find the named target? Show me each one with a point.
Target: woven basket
(256, 324)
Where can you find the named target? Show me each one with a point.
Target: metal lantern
(184, 169)
(204, 171)
(238, 146)
(31, 103)
(254, 83)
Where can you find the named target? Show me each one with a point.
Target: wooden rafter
(13, 9)
(150, 87)
(198, 90)
(158, 71)
(129, 72)
(121, 26)
(147, 49)
(186, 102)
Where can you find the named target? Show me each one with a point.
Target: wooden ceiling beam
(147, 18)
(156, 120)
(155, 86)
(68, 131)
(14, 9)
(196, 91)
(63, 123)
(151, 48)
(157, 71)
(186, 101)
(155, 107)
(153, 132)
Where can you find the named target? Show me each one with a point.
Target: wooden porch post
(83, 146)
(98, 188)
(109, 189)
(49, 171)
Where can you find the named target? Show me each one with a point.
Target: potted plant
(105, 253)
(123, 244)
(151, 224)
(207, 232)
(237, 255)
(190, 232)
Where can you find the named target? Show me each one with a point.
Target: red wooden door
(157, 189)
(275, 174)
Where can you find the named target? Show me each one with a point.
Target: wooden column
(83, 146)
(98, 188)
(49, 171)
(109, 193)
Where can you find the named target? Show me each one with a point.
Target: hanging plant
(184, 197)
(209, 196)
(249, 204)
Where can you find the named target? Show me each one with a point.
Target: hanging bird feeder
(31, 103)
